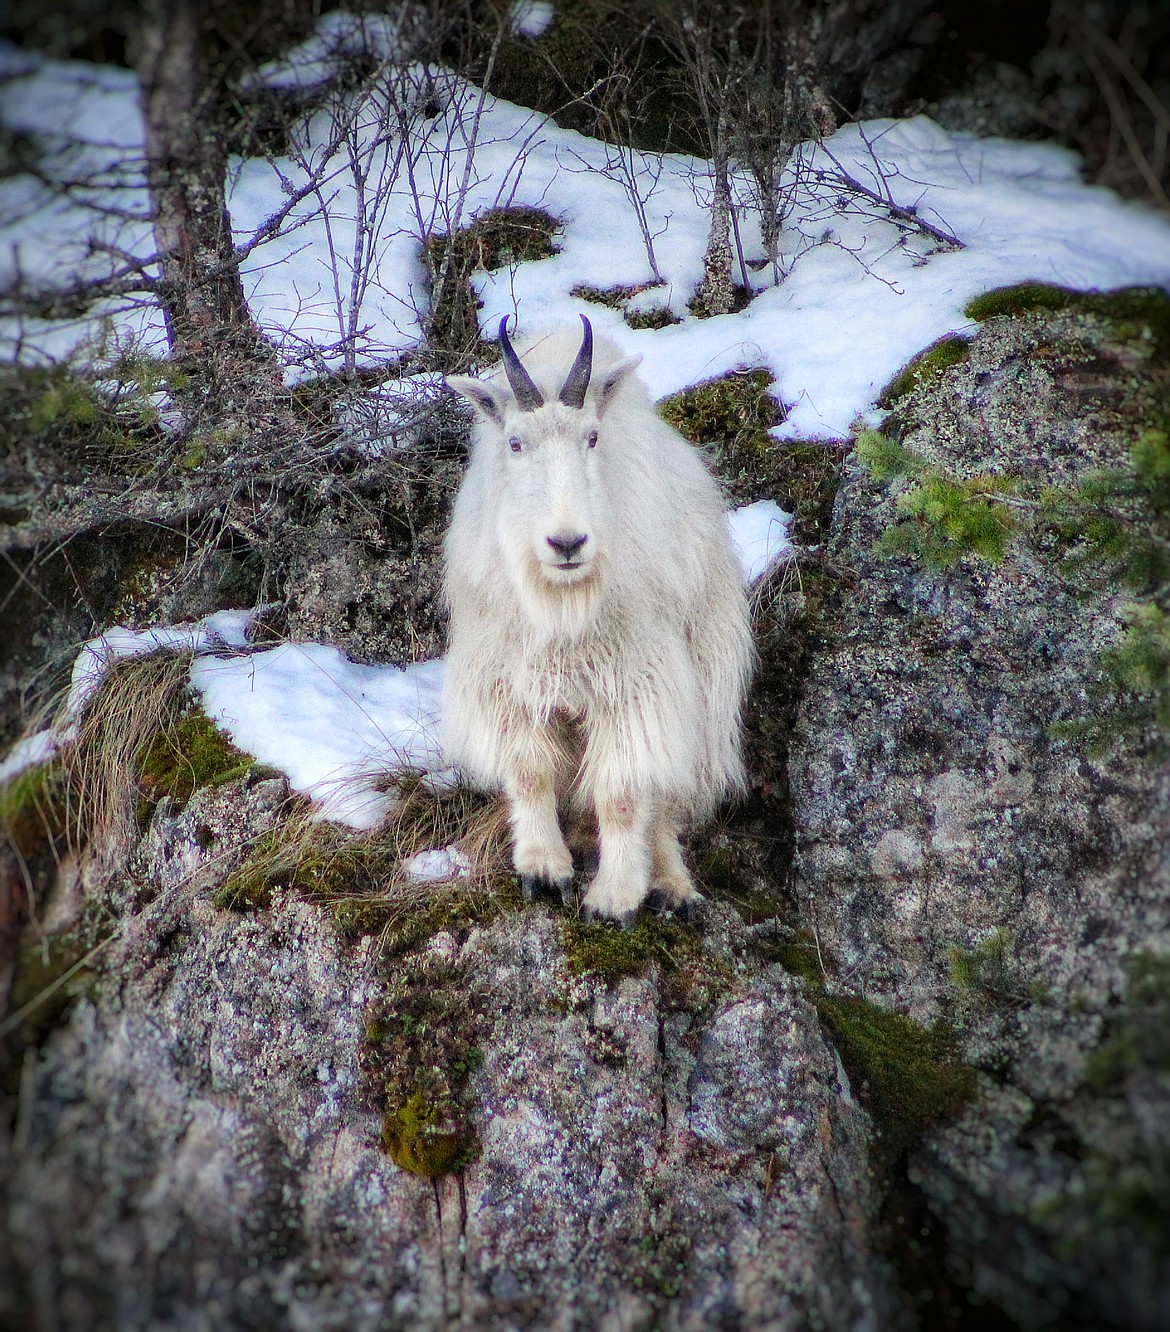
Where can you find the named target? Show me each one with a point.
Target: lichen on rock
(963, 855)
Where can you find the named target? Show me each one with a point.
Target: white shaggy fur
(606, 674)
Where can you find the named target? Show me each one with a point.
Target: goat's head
(548, 458)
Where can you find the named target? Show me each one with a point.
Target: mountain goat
(600, 646)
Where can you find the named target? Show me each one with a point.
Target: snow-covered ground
(859, 296)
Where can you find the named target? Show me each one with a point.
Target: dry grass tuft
(137, 699)
(364, 876)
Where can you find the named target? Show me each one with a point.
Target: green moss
(616, 298)
(657, 316)
(61, 404)
(404, 923)
(1018, 299)
(927, 368)
(249, 887)
(986, 971)
(63, 411)
(796, 951)
(691, 978)
(493, 239)
(424, 1039)
(732, 417)
(906, 1075)
(1150, 459)
(1138, 314)
(357, 876)
(34, 807)
(416, 1138)
(185, 757)
(732, 414)
(456, 911)
(322, 861)
(498, 238)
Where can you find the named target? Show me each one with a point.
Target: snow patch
(339, 37)
(759, 533)
(435, 865)
(336, 727)
(530, 18)
(30, 752)
(223, 631)
(220, 632)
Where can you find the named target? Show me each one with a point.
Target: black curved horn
(528, 397)
(573, 390)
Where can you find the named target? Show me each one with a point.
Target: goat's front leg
(623, 877)
(539, 853)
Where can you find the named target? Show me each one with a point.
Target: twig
(902, 213)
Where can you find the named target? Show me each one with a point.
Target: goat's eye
(593, 439)
(514, 444)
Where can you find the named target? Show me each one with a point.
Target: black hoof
(688, 910)
(537, 885)
(592, 916)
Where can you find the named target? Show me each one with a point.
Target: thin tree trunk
(715, 290)
(201, 292)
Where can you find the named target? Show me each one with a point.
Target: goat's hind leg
(673, 888)
(539, 853)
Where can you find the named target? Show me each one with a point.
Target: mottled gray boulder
(199, 1145)
(958, 861)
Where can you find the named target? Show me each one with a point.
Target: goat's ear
(608, 384)
(487, 399)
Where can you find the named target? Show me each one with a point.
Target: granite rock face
(199, 1145)
(958, 861)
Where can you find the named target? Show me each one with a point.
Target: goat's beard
(557, 605)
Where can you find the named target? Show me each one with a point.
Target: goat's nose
(567, 546)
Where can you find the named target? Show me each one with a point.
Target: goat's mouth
(568, 571)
